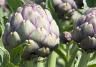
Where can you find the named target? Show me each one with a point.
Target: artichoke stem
(52, 60)
(40, 62)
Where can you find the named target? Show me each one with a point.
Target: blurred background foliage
(66, 55)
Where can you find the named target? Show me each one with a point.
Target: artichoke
(34, 25)
(85, 30)
(64, 7)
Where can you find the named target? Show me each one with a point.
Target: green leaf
(91, 3)
(4, 57)
(14, 4)
(92, 63)
(84, 59)
(16, 54)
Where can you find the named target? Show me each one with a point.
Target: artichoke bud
(84, 31)
(65, 37)
(36, 26)
(64, 8)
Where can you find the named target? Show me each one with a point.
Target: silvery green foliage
(85, 30)
(65, 6)
(35, 25)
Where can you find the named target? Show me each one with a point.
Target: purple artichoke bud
(65, 37)
(34, 24)
(85, 30)
(64, 7)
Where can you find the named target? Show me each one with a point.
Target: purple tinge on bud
(85, 30)
(32, 22)
(66, 37)
(64, 7)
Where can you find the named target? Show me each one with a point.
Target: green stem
(40, 62)
(35, 62)
(27, 64)
(84, 60)
(52, 60)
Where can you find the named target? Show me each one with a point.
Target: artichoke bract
(85, 30)
(34, 25)
(65, 7)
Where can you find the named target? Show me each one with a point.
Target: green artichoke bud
(35, 25)
(85, 30)
(65, 7)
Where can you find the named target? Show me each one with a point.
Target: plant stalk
(52, 60)
(40, 62)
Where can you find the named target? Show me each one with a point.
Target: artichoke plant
(34, 25)
(85, 30)
(65, 7)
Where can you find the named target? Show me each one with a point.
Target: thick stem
(52, 60)
(40, 62)
(27, 64)
(35, 62)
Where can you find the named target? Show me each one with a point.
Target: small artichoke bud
(65, 37)
(85, 30)
(65, 7)
(36, 25)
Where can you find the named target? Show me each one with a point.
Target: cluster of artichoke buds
(85, 30)
(35, 25)
(65, 7)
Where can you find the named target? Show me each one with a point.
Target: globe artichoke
(34, 25)
(64, 7)
(85, 30)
